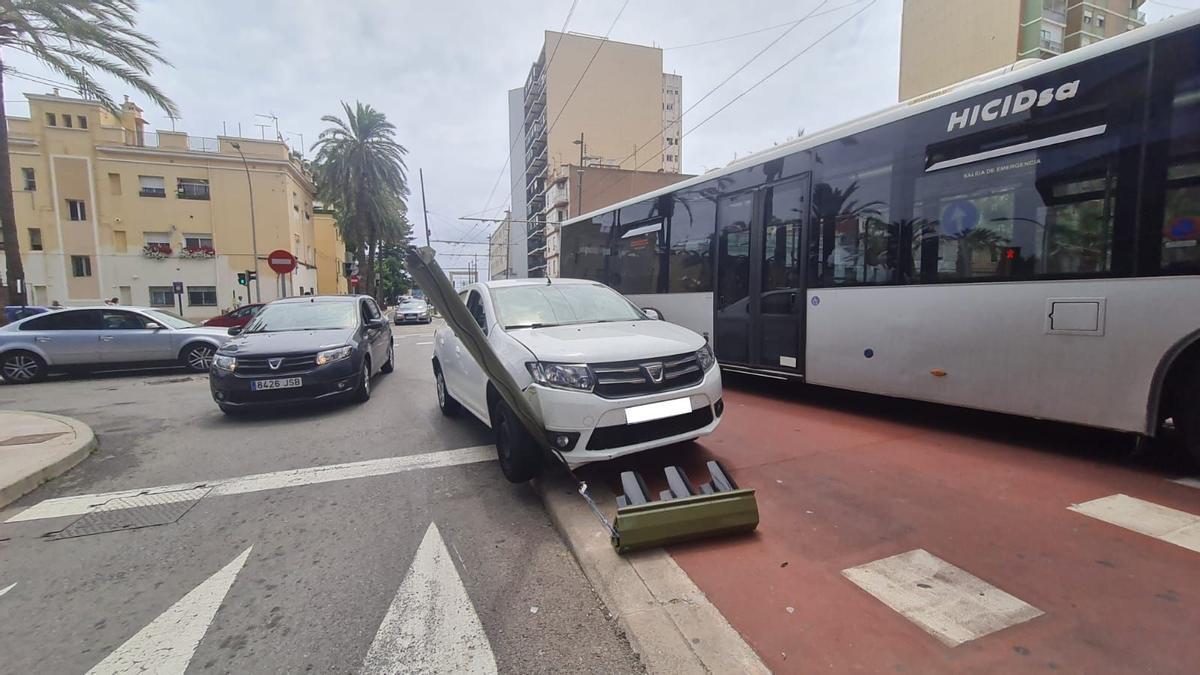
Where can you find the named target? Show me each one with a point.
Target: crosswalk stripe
(167, 644)
(947, 602)
(80, 504)
(1163, 523)
(431, 625)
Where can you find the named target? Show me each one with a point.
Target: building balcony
(1051, 46)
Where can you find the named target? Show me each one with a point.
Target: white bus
(1027, 243)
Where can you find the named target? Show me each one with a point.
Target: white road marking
(423, 343)
(412, 335)
(167, 644)
(948, 602)
(81, 504)
(1190, 482)
(431, 625)
(7, 588)
(1169, 525)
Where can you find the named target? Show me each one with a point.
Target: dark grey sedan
(93, 338)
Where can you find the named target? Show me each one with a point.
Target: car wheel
(22, 367)
(390, 365)
(448, 405)
(363, 393)
(519, 455)
(198, 358)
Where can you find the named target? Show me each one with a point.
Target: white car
(604, 377)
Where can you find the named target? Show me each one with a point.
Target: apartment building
(947, 41)
(331, 253)
(593, 103)
(108, 209)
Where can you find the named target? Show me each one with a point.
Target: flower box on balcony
(156, 251)
(197, 252)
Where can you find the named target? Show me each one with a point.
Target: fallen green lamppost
(682, 512)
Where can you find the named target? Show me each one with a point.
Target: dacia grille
(623, 379)
(261, 365)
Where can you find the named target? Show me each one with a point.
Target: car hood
(219, 333)
(605, 342)
(287, 342)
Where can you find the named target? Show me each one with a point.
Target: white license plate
(278, 383)
(657, 411)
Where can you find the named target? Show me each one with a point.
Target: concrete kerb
(60, 456)
(667, 619)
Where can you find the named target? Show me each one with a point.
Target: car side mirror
(234, 330)
(153, 325)
(652, 313)
(373, 323)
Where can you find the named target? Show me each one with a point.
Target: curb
(667, 619)
(85, 443)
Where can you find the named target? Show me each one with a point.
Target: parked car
(235, 317)
(605, 378)
(303, 349)
(90, 338)
(413, 311)
(17, 312)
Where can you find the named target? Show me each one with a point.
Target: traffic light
(241, 278)
(251, 275)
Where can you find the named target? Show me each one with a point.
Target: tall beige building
(947, 41)
(106, 208)
(592, 102)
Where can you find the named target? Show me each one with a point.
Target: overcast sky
(441, 70)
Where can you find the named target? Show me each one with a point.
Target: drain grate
(131, 513)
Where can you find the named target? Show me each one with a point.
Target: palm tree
(360, 172)
(70, 37)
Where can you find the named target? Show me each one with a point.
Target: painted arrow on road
(431, 625)
(168, 643)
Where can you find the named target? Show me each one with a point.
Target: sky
(441, 71)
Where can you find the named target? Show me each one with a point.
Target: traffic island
(35, 447)
(668, 621)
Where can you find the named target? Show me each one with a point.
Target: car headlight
(336, 354)
(705, 358)
(223, 362)
(562, 375)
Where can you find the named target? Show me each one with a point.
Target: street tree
(360, 173)
(76, 39)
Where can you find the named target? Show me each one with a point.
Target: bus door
(760, 298)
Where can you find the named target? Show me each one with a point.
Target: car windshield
(412, 305)
(305, 316)
(560, 304)
(168, 319)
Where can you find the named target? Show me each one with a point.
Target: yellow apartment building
(331, 253)
(946, 41)
(108, 209)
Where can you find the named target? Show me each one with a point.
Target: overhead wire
(763, 30)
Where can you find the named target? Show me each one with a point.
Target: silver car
(91, 338)
(412, 311)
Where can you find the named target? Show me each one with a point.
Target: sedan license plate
(657, 411)
(278, 383)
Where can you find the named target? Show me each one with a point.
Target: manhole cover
(30, 439)
(131, 513)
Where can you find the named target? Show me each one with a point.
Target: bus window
(693, 224)
(585, 247)
(1181, 218)
(634, 269)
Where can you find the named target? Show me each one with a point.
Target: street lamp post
(579, 206)
(253, 230)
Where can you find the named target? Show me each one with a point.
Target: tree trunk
(8, 216)
(372, 246)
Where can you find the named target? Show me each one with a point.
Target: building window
(670, 158)
(76, 210)
(35, 239)
(192, 188)
(197, 241)
(1100, 21)
(162, 296)
(152, 186)
(67, 121)
(1087, 18)
(81, 266)
(82, 121)
(202, 296)
(51, 120)
(30, 179)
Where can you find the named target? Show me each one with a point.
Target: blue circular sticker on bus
(959, 217)
(815, 301)
(1183, 228)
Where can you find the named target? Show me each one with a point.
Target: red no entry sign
(353, 279)
(281, 261)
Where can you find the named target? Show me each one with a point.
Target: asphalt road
(428, 562)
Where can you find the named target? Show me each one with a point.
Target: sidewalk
(35, 447)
